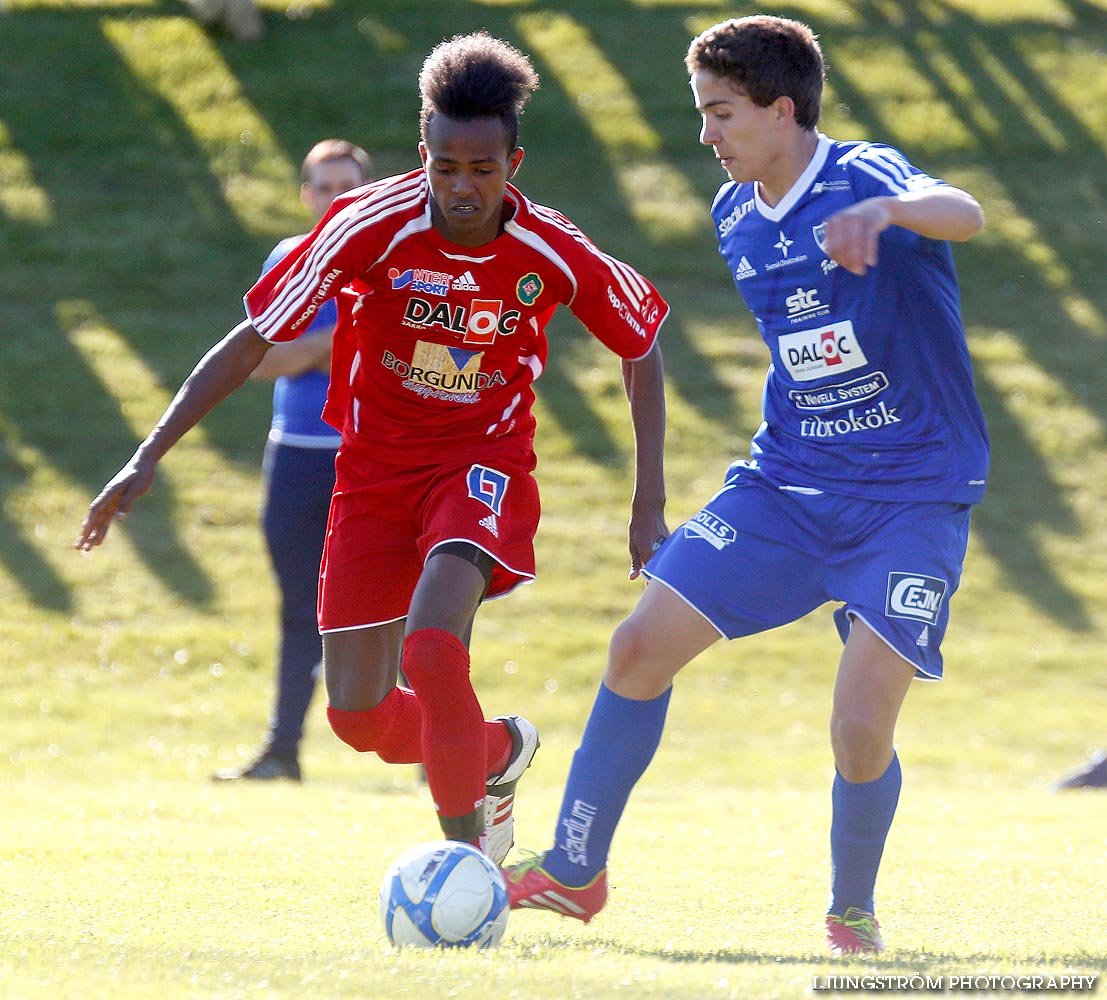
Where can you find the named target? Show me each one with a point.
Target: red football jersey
(446, 340)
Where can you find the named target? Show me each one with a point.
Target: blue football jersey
(870, 390)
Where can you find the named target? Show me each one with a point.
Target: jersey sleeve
(346, 241)
(881, 169)
(287, 298)
(327, 314)
(617, 305)
(876, 170)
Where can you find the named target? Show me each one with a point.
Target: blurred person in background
(298, 476)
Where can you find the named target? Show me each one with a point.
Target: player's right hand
(114, 503)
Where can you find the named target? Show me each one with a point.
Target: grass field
(146, 168)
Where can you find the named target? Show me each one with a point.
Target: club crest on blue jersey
(711, 529)
(488, 486)
(915, 596)
(819, 232)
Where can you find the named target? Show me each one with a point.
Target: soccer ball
(444, 894)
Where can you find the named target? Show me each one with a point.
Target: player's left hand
(114, 502)
(852, 234)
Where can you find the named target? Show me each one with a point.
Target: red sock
(393, 730)
(436, 664)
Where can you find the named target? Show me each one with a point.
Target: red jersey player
(446, 278)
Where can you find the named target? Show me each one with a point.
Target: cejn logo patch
(914, 596)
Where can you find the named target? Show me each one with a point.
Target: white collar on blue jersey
(777, 212)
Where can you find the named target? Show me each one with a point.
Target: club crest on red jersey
(529, 288)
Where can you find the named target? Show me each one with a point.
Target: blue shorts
(759, 555)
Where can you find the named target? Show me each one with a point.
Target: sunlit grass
(146, 167)
(661, 200)
(175, 60)
(21, 198)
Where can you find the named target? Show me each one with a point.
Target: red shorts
(386, 519)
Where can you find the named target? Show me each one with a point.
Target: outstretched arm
(222, 370)
(644, 381)
(309, 352)
(941, 213)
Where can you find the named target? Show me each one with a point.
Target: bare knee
(862, 744)
(632, 670)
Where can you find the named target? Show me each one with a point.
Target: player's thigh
(371, 559)
(361, 665)
(493, 504)
(749, 560)
(450, 590)
(659, 637)
(898, 574)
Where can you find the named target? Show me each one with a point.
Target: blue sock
(619, 742)
(861, 820)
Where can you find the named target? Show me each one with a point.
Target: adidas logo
(924, 637)
(491, 524)
(550, 899)
(744, 270)
(466, 283)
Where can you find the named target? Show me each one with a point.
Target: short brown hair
(765, 57)
(336, 149)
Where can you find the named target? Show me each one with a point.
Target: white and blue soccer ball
(444, 894)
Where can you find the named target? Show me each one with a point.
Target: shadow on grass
(22, 560)
(1022, 498)
(112, 156)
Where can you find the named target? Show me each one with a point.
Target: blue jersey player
(872, 451)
